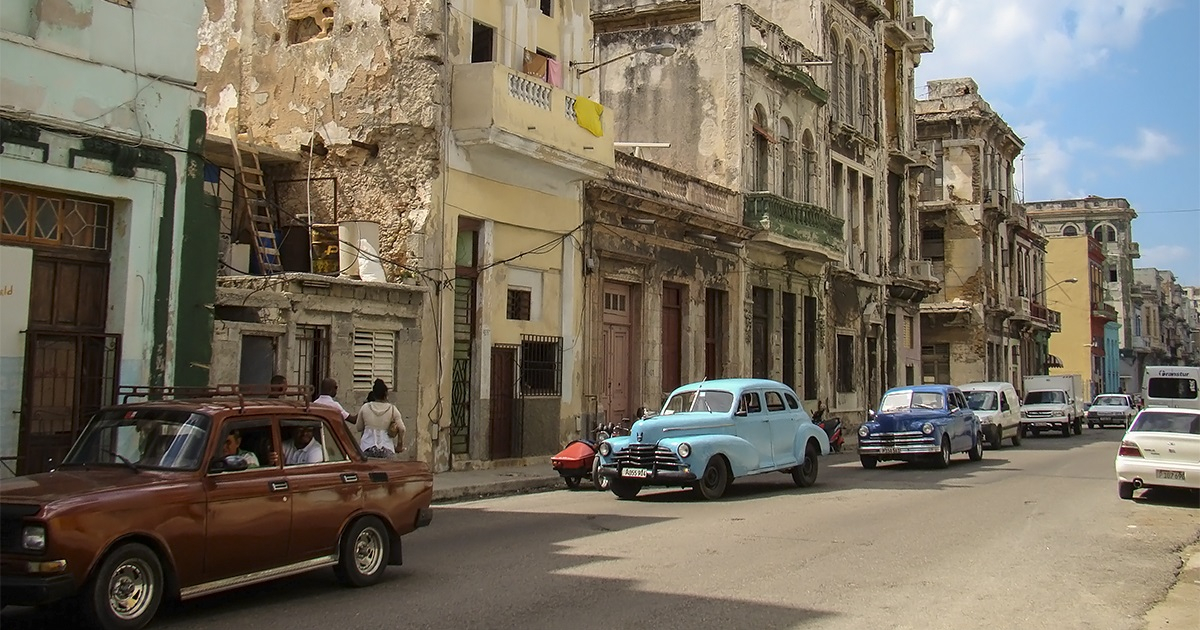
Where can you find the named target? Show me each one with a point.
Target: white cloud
(1152, 146)
(1042, 169)
(1005, 42)
(1167, 257)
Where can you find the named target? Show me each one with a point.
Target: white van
(1171, 386)
(998, 408)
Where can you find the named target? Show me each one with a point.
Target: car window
(144, 437)
(774, 401)
(251, 440)
(1165, 387)
(308, 441)
(791, 401)
(706, 400)
(1116, 401)
(1167, 422)
(982, 400)
(905, 399)
(1051, 397)
(1004, 406)
(750, 403)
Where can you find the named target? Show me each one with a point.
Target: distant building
(1075, 264)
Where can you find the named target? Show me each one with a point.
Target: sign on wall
(16, 272)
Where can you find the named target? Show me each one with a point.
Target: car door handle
(279, 486)
(349, 477)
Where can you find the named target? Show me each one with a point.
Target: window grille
(541, 365)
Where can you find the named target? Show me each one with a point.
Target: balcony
(1135, 251)
(1053, 321)
(917, 284)
(995, 199)
(498, 114)
(720, 203)
(922, 33)
(1044, 317)
(794, 225)
(1104, 311)
(1021, 307)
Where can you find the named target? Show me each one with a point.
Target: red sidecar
(575, 462)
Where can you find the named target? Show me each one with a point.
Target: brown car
(187, 497)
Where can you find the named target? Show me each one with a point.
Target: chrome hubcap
(368, 551)
(130, 589)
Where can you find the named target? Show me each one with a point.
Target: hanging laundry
(554, 72)
(588, 114)
(535, 65)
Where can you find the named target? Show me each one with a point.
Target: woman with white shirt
(380, 425)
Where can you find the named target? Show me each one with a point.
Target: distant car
(712, 432)
(921, 423)
(1160, 449)
(999, 409)
(1110, 409)
(176, 499)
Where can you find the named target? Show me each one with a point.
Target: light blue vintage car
(921, 422)
(712, 432)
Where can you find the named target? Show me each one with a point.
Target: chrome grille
(649, 456)
(1039, 414)
(902, 438)
(12, 521)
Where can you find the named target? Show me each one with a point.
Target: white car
(1110, 409)
(1160, 449)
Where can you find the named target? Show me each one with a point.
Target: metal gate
(68, 376)
(460, 375)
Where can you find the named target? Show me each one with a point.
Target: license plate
(1170, 474)
(889, 450)
(639, 473)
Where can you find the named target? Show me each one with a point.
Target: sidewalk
(1180, 609)
(535, 475)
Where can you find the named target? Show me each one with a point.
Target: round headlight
(605, 449)
(33, 537)
(685, 450)
(927, 429)
(863, 431)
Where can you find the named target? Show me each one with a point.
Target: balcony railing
(922, 33)
(1021, 306)
(795, 220)
(675, 185)
(1054, 320)
(1104, 311)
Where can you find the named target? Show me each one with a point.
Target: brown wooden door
(617, 346)
(504, 387)
(672, 337)
(760, 331)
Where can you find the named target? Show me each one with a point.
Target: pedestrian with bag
(380, 424)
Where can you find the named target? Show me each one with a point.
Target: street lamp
(666, 50)
(1067, 281)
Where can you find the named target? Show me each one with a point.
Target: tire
(868, 462)
(1016, 439)
(1125, 490)
(126, 590)
(1066, 430)
(625, 490)
(805, 475)
(1091, 425)
(715, 480)
(600, 482)
(1078, 424)
(943, 459)
(363, 553)
(976, 452)
(1022, 432)
(996, 440)
(573, 482)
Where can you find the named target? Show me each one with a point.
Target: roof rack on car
(302, 393)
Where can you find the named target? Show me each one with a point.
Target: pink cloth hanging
(554, 72)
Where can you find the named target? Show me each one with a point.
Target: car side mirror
(870, 414)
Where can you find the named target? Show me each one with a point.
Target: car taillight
(1129, 449)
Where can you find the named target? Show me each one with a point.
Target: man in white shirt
(329, 389)
(302, 448)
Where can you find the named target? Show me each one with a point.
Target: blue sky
(1106, 95)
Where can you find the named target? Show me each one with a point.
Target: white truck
(1052, 403)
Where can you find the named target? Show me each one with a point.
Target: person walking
(329, 389)
(380, 424)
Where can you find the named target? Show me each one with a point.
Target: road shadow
(1057, 442)
(476, 567)
(1169, 497)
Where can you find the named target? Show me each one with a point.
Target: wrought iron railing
(803, 222)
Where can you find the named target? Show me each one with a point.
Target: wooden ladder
(252, 202)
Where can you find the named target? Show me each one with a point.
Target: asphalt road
(1031, 537)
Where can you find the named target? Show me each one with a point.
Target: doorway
(617, 345)
(505, 430)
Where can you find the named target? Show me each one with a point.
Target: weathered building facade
(107, 260)
(458, 131)
(1076, 264)
(989, 322)
(806, 113)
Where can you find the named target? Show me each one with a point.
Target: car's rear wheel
(625, 489)
(943, 458)
(127, 589)
(1078, 426)
(715, 481)
(1125, 490)
(1016, 439)
(805, 474)
(976, 452)
(364, 552)
(868, 462)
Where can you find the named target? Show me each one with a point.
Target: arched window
(761, 155)
(808, 166)
(1070, 231)
(1105, 233)
(787, 142)
(848, 83)
(862, 117)
(835, 75)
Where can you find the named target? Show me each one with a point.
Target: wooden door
(672, 337)
(760, 333)
(504, 387)
(616, 341)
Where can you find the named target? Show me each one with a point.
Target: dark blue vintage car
(921, 423)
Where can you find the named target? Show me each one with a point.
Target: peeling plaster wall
(371, 72)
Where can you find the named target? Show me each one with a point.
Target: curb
(496, 488)
(1178, 609)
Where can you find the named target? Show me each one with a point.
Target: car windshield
(1046, 398)
(1112, 401)
(1163, 421)
(708, 400)
(142, 438)
(908, 399)
(1166, 387)
(982, 401)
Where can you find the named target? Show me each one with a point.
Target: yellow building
(1074, 288)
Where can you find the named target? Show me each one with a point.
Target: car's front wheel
(715, 481)
(976, 452)
(602, 483)
(805, 474)
(868, 462)
(625, 489)
(943, 458)
(127, 589)
(1078, 427)
(364, 552)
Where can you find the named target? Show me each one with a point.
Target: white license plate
(889, 450)
(1170, 474)
(639, 473)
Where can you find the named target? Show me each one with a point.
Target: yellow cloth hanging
(587, 114)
